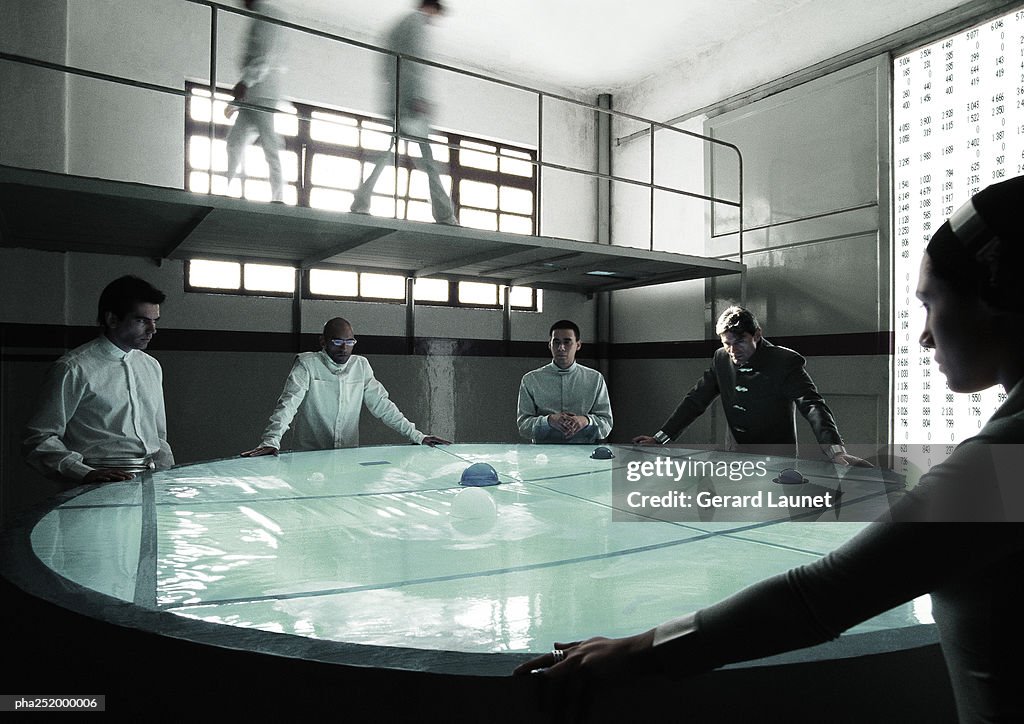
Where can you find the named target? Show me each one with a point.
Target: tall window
(956, 129)
(328, 154)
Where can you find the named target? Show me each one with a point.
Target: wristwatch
(662, 437)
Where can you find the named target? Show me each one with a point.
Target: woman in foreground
(975, 573)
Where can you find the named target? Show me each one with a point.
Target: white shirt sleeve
(377, 401)
(295, 389)
(164, 458)
(98, 402)
(261, 53)
(528, 418)
(600, 414)
(43, 443)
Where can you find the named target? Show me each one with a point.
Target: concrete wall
(92, 127)
(219, 393)
(816, 190)
(32, 111)
(817, 151)
(136, 134)
(218, 400)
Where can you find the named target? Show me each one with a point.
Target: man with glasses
(324, 395)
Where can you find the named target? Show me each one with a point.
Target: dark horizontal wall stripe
(841, 345)
(811, 345)
(15, 335)
(44, 335)
(49, 336)
(16, 357)
(208, 340)
(701, 349)
(479, 347)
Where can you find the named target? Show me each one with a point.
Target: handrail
(460, 71)
(216, 7)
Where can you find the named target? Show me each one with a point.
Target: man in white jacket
(324, 396)
(564, 402)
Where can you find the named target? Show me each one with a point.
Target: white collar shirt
(324, 400)
(98, 403)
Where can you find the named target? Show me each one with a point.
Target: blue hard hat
(479, 475)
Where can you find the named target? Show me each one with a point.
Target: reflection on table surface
(381, 545)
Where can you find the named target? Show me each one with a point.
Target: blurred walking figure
(259, 85)
(408, 37)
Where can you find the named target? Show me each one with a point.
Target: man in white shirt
(259, 85)
(101, 413)
(324, 395)
(409, 37)
(564, 402)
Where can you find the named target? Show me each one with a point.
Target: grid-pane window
(235, 277)
(206, 163)
(215, 274)
(268, 278)
(339, 284)
(432, 290)
(333, 283)
(478, 293)
(381, 286)
(522, 297)
(327, 154)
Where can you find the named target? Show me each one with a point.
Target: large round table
(378, 557)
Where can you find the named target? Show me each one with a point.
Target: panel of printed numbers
(958, 126)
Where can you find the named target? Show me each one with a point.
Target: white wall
(679, 220)
(815, 170)
(668, 311)
(220, 392)
(42, 287)
(816, 192)
(137, 135)
(32, 100)
(781, 44)
(816, 189)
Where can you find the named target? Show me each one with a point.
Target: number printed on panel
(958, 126)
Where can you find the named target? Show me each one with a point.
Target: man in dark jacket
(760, 384)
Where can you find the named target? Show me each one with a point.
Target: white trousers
(440, 202)
(249, 124)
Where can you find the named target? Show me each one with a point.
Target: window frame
(306, 148)
(240, 291)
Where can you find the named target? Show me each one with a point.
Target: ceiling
(585, 47)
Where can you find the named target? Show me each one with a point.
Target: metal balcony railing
(649, 127)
